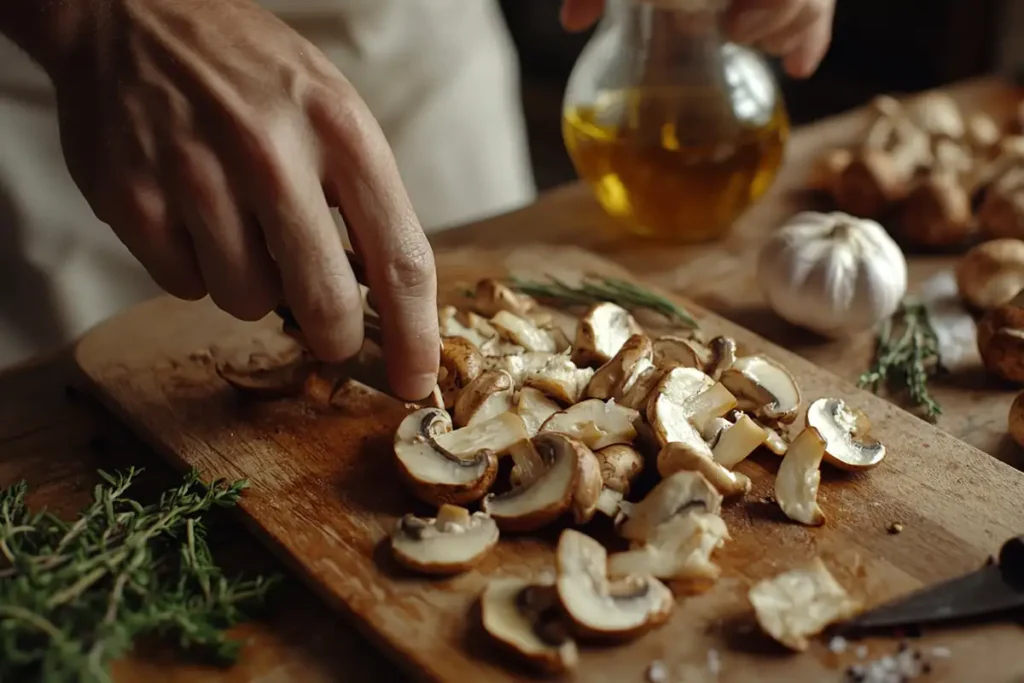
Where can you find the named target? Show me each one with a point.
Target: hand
(213, 138)
(798, 31)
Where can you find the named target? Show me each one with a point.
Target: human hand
(798, 31)
(213, 139)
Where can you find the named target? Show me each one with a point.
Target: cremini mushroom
(774, 441)
(452, 542)
(595, 422)
(677, 494)
(525, 619)
(617, 376)
(1001, 213)
(461, 363)
(796, 483)
(937, 211)
(1001, 340)
(601, 332)
(620, 465)
(763, 387)
(586, 496)
(678, 549)
(269, 376)
(723, 355)
(623, 608)
(737, 441)
(520, 365)
(678, 456)
(637, 396)
(1015, 420)
(522, 332)
(546, 491)
(487, 396)
(491, 297)
(535, 408)
(847, 434)
(676, 416)
(800, 603)
(827, 168)
(937, 114)
(990, 274)
(497, 347)
(466, 325)
(445, 466)
(671, 351)
(560, 379)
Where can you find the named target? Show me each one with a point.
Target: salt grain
(837, 645)
(657, 672)
(941, 652)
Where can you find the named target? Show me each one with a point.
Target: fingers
(362, 174)
(805, 57)
(799, 31)
(579, 15)
(750, 21)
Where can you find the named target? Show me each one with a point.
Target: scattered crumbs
(895, 528)
(714, 662)
(862, 651)
(837, 645)
(657, 672)
(906, 664)
(941, 652)
(768, 500)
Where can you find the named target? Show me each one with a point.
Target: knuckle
(411, 268)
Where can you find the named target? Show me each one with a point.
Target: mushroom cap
(1015, 420)
(443, 546)
(625, 608)
(601, 332)
(595, 422)
(990, 274)
(723, 355)
(848, 443)
(1001, 213)
(869, 182)
(670, 351)
(461, 363)
(679, 549)
(487, 396)
(619, 374)
(540, 501)
(796, 482)
(264, 375)
(679, 493)
(620, 465)
(492, 296)
(535, 408)
(1001, 340)
(937, 212)
(523, 617)
(678, 456)
(766, 386)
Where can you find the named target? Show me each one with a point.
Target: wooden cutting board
(324, 493)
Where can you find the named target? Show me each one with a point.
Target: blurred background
(880, 46)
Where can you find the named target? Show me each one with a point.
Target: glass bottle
(676, 129)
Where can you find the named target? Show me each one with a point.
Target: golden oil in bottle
(678, 165)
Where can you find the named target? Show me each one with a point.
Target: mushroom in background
(601, 332)
(451, 543)
(490, 297)
(991, 273)
(1001, 340)
(617, 376)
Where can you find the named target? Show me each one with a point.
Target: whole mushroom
(1001, 340)
(991, 273)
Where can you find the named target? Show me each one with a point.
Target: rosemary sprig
(595, 290)
(906, 356)
(76, 595)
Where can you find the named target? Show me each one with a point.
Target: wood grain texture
(325, 493)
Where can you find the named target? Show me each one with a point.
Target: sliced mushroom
(796, 483)
(637, 396)
(670, 423)
(801, 603)
(468, 326)
(595, 422)
(546, 496)
(461, 363)
(679, 420)
(487, 396)
(452, 542)
(626, 607)
(520, 365)
(535, 408)
(775, 442)
(679, 549)
(763, 387)
(847, 433)
(620, 465)
(677, 494)
(498, 347)
(677, 456)
(459, 472)
(491, 297)
(723, 355)
(522, 332)
(526, 619)
(738, 441)
(589, 485)
(601, 332)
(619, 374)
(672, 352)
(265, 375)
(560, 379)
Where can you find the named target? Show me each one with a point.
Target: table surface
(56, 439)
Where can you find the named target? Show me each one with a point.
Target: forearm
(47, 30)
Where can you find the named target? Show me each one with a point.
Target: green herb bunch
(75, 595)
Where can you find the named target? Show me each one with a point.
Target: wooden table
(56, 439)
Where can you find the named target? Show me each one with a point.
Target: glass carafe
(676, 129)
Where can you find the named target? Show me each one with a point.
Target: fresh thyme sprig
(75, 595)
(595, 290)
(906, 356)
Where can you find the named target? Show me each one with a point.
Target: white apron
(441, 77)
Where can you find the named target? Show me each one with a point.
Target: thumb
(579, 15)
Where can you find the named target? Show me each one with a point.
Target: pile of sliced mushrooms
(580, 419)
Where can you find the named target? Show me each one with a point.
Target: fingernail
(748, 24)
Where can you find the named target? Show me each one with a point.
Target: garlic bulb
(832, 273)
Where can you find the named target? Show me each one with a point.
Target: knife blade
(994, 591)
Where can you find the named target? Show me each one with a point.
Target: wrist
(49, 31)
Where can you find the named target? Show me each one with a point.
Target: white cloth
(441, 76)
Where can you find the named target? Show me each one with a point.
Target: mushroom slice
(451, 543)
(678, 352)
(738, 441)
(847, 433)
(269, 376)
(619, 374)
(764, 387)
(800, 603)
(519, 365)
(546, 496)
(461, 363)
(491, 297)
(468, 326)
(535, 408)
(681, 384)
(497, 347)
(697, 396)
(496, 434)
(595, 422)
(627, 607)
(639, 393)
(723, 355)
(437, 474)
(672, 421)
(487, 396)
(526, 619)
(620, 465)
(587, 495)
(774, 441)
(601, 332)
(678, 456)
(679, 493)
(796, 483)
(679, 549)
(560, 379)
(522, 332)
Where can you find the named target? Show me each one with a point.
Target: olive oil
(675, 165)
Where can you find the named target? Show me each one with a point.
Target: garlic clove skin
(832, 273)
